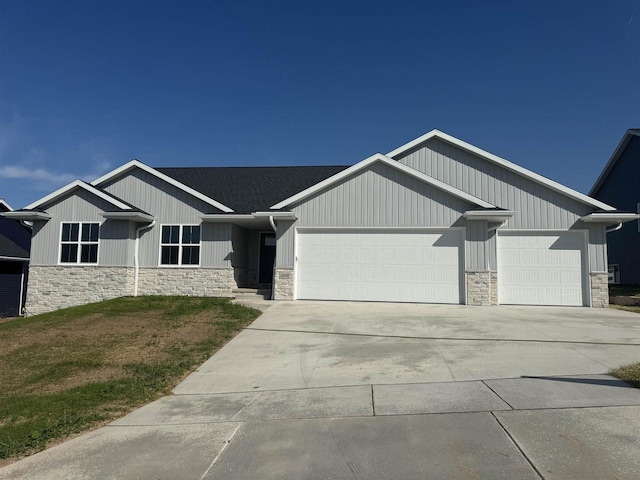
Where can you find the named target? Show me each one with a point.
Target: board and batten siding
(379, 197)
(82, 206)
(536, 206)
(476, 246)
(172, 206)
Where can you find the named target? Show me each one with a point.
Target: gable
(619, 186)
(536, 205)
(381, 196)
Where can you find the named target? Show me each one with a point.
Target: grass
(628, 373)
(74, 369)
(615, 290)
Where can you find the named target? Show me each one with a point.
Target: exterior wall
(599, 290)
(378, 197)
(479, 288)
(620, 189)
(206, 282)
(597, 247)
(476, 246)
(54, 287)
(81, 206)
(170, 205)
(537, 206)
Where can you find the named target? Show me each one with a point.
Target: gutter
(136, 261)
(614, 229)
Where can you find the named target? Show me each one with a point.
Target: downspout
(273, 269)
(614, 229)
(136, 261)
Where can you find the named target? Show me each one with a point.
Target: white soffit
(138, 164)
(610, 217)
(502, 162)
(77, 184)
(378, 157)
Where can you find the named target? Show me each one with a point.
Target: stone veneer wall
(478, 288)
(283, 288)
(599, 289)
(494, 288)
(206, 282)
(54, 287)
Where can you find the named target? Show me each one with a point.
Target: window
(180, 245)
(79, 242)
(614, 273)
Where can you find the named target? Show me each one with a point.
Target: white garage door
(541, 268)
(377, 265)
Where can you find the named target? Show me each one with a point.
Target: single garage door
(380, 265)
(542, 268)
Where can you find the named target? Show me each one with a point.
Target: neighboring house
(15, 239)
(437, 220)
(618, 185)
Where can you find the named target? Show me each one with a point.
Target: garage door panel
(379, 266)
(541, 269)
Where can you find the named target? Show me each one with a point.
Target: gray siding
(81, 206)
(620, 189)
(172, 206)
(240, 243)
(537, 206)
(597, 247)
(476, 246)
(380, 196)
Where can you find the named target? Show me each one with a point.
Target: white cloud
(38, 174)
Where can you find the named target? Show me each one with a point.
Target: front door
(267, 257)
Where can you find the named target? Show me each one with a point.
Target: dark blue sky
(85, 86)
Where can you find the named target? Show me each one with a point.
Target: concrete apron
(355, 399)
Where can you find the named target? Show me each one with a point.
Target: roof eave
(492, 216)
(130, 216)
(610, 217)
(29, 216)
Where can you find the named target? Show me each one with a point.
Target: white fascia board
(504, 163)
(225, 218)
(77, 184)
(138, 164)
(5, 205)
(26, 215)
(14, 259)
(494, 216)
(614, 159)
(378, 157)
(279, 215)
(610, 217)
(132, 216)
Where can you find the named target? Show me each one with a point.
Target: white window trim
(611, 267)
(77, 263)
(180, 245)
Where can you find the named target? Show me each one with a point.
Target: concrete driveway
(383, 391)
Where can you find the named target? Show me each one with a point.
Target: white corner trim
(78, 184)
(504, 163)
(378, 157)
(614, 159)
(138, 164)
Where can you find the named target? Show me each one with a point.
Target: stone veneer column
(599, 289)
(494, 288)
(478, 288)
(54, 287)
(283, 287)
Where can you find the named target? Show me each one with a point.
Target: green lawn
(72, 370)
(628, 373)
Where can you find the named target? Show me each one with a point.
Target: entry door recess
(546, 268)
(380, 265)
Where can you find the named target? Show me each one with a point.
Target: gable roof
(113, 200)
(4, 206)
(628, 136)
(378, 157)
(251, 189)
(15, 239)
(122, 170)
(502, 162)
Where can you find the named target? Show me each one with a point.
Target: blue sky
(85, 85)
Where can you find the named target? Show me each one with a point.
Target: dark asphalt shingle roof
(250, 189)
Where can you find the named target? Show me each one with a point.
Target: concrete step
(252, 292)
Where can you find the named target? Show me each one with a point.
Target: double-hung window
(79, 242)
(180, 245)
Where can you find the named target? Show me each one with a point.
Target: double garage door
(380, 265)
(428, 266)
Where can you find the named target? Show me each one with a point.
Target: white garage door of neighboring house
(546, 268)
(380, 265)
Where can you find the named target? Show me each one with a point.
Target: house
(618, 185)
(15, 239)
(436, 220)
